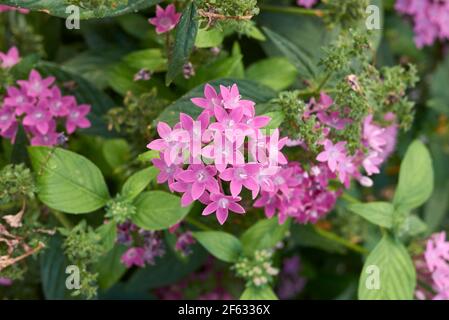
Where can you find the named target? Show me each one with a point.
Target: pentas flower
(222, 204)
(10, 58)
(166, 19)
(433, 269)
(133, 257)
(40, 107)
(218, 147)
(333, 154)
(5, 8)
(306, 3)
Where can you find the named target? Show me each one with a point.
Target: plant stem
(293, 10)
(197, 224)
(62, 219)
(334, 237)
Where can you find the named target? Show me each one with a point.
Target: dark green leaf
(221, 245)
(265, 234)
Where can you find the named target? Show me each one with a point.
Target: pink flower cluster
(5, 8)
(297, 193)
(216, 147)
(378, 143)
(436, 258)
(38, 104)
(430, 19)
(165, 20)
(306, 3)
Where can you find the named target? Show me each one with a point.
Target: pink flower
(18, 99)
(333, 154)
(371, 163)
(167, 173)
(5, 8)
(35, 86)
(210, 101)
(186, 190)
(133, 257)
(58, 105)
(333, 120)
(76, 118)
(10, 59)
(373, 135)
(201, 177)
(222, 204)
(345, 169)
(165, 20)
(7, 118)
(232, 100)
(243, 175)
(306, 3)
(171, 142)
(38, 117)
(50, 138)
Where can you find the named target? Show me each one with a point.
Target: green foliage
(67, 181)
(120, 209)
(379, 213)
(263, 235)
(257, 270)
(138, 182)
(222, 245)
(265, 72)
(16, 184)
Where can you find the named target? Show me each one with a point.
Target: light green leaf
(208, 38)
(262, 293)
(415, 178)
(379, 213)
(265, 234)
(158, 210)
(67, 181)
(58, 7)
(108, 235)
(221, 245)
(110, 269)
(412, 226)
(116, 152)
(150, 59)
(277, 73)
(138, 182)
(185, 39)
(388, 273)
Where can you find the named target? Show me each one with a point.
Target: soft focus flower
(291, 283)
(222, 204)
(165, 20)
(430, 19)
(5, 8)
(133, 257)
(333, 154)
(9, 59)
(39, 106)
(5, 282)
(306, 3)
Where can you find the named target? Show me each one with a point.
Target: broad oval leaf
(388, 273)
(262, 293)
(221, 245)
(158, 210)
(58, 7)
(265, 234)
(415, 178)
(277, 73)
(67, 181)
(379, 213)
(138, 182)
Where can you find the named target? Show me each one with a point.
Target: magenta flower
(38, 117)
(239, 176)
(345, 169)
(333, 120)
(373, 135)
(9, 59)
(7, 118)
(50, 138)
(35, 86)
(167, 173)
(222, 204)
(5, 8)
(306, 3)
(210, 101)
(18, 99)
(186, 190)
(77, 118)
(165, 20)
(232, 100)
(371, 163)
(133, 257)
(58, 105)
(201, 177)
(333, 154)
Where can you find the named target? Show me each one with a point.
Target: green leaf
(67, 181)
(185, 39)
(19, 149)
(438, 89)
(208, 38)
(262, 293)
(58, 8)
(299, 59)
(158, 210)
(221, 245)
(306, 236)
(138, 182)
(277, 73)
(248, 89)
(265, 234)
(109, 267)
(388, 273)
(116, 152)
(412, 226)
(415, 178)
(277, 117)
(150, 59)
(379, 213)
(108, 235)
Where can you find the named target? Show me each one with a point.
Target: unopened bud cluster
(257, 270)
